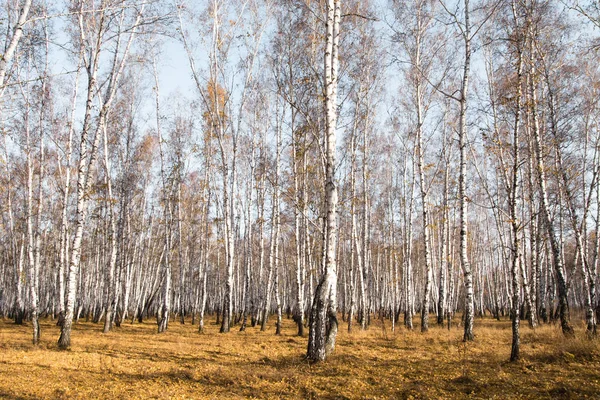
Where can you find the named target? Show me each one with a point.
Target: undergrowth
(133, 361)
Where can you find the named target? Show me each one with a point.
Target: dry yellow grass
(135, 362)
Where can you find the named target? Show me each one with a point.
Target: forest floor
(134, 361)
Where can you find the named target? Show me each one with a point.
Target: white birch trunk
(555, 244)
(462, 139)
(514, 217)
(323, 321)
(33, 289)
(9, 53)
(87, 161)
(165, 308)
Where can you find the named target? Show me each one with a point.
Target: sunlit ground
(134, 361)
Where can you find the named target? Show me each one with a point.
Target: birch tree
(92, 31)
(323, 318)
(13, 41)
(518, 43)
(465, 28)
(553, 236)
(418, 46)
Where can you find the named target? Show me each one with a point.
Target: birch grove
(338, 163)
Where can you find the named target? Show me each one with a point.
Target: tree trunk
(9, 53)
(514, 217)
(323, 321)
(462, 143)
(545, 214)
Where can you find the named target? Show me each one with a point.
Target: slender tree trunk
(353, 235)
(249, 237)
(271, 270)
(83, 175)
(514, 217)
(9, 52)
(425, 211)
(277, 226)
(299, 313)
(545, 214)
(462, 195)
(111, 296)
(17, 255)
(577, 227)
(323, 319)
(33, 289)
(64, 226)
(442, 303)
(165, 307)
(408, 247)
(86, 162)
(110, 273)
(364, 256)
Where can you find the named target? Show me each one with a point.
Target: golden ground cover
(135, 362)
